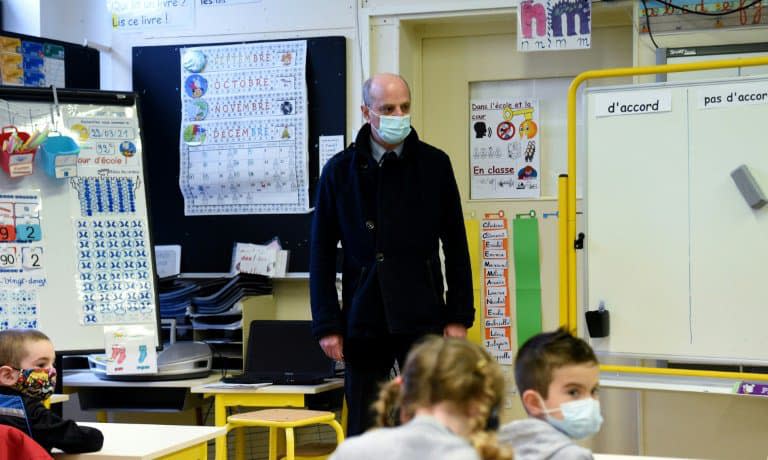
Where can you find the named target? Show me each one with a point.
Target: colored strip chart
(498, 325)
(525, 229)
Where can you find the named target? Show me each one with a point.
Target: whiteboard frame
(602, 346)
(78, 338)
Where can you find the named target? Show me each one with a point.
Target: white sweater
(534, 439)
(423, 438)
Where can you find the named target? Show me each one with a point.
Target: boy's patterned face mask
(36, 382)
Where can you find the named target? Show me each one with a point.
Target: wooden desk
(632, 457)
(123, 441)
(57, 398)
(112, 395)
(268, 396)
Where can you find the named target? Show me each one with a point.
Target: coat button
(379, 257)
(370, 225)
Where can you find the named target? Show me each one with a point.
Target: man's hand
(333, 346)
(455, 330)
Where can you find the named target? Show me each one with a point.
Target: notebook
(284, 353)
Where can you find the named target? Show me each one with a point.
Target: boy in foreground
(557, 376)
(26, 371)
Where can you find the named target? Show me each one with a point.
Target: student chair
(16, 444)
(287, 420)
(322, 450)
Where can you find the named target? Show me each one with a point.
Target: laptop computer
(284, 353)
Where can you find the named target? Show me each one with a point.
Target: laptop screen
(277, 347)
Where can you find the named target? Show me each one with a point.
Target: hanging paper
(243, 139)
(553, 25)
(496, 305)
(527, 277)
(505, 148)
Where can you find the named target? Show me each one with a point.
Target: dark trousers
(368, 363)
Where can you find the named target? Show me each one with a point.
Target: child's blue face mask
(581, 418)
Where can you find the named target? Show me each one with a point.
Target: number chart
(113, 271)
(21, 259)
(100, 195)
(18, 309)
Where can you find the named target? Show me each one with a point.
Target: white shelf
(668, 383)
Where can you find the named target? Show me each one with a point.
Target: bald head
(378, 84)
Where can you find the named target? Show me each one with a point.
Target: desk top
(215, 388)
(89, 379)
(632, 457)
(125, 441)
(58, 398)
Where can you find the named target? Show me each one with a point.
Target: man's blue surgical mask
(581, 418)
(393, 129)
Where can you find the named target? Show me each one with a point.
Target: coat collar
(363, 156)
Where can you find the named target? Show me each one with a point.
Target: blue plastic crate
(59, 156)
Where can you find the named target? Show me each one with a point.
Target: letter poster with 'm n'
(553, 25)
(494, 234)
(505, 148)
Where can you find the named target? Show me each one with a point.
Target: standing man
(390, 199)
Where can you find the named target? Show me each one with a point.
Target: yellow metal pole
(682, 372)
(562, 240)
(572, 92)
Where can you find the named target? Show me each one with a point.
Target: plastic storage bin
(59, 156)
(14, 160)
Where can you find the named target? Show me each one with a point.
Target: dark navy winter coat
(390, 219)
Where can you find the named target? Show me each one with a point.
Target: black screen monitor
(286, 352)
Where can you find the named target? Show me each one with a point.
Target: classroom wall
(77, 20)
(21, 17)
(453, 54)
(645, 52)
(71, 21)
(441, 46)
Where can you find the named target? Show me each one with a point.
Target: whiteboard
(91, 263)
(672, 248)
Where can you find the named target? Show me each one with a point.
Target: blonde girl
(438, 408)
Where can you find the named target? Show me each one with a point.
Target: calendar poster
(243, 140)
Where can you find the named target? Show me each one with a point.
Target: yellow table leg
(273, 432)
(289, 446)
(220, 419)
